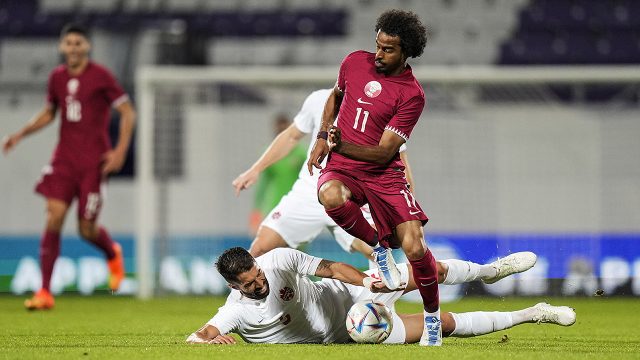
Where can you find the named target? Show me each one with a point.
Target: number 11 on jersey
(364, 120)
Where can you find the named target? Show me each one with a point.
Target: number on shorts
(408, 196)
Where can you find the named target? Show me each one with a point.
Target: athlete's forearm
(372, 154)
(340, 271)
(331, 109)
(42, 119)
(280, 147)
(127, 121)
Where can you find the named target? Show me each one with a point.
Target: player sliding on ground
(273, 301)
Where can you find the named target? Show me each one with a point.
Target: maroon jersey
(85, 103)
(372, 103)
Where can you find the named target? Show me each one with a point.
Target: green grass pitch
(113, 327)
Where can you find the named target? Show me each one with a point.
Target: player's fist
(9, 142)
(112, 161)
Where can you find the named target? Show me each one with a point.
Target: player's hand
(245, 180)
(377, 286)
(9, 142)
(112, 161)
(222, 340)
(335, 138)
(317, 155)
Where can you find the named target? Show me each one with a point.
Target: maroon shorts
(63, 182)
(390, 201)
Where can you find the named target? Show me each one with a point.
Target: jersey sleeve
(295, 260)
(403, 147)
(341, 82)
(304, 118)
(406, 117)
(228, 319)
(113, 92)
(52, 100)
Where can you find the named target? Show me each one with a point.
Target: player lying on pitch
(274, 301)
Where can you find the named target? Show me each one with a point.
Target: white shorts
(299, 218)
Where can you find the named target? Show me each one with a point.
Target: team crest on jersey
(372, 89)
(72, 86)
(286, 293)
(276, 215)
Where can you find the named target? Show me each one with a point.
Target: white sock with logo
(465, 271)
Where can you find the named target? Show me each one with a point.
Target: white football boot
(389, 273)
(547, 313)
(432, 332)
(514, 263)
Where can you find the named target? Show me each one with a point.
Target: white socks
(481, 322)
(465, 271)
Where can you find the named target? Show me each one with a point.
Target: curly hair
(234, 262)
(408, 27)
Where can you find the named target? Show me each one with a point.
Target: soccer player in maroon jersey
(84, 92)
(378, 101)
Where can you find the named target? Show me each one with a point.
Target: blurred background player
(273, 301)
(84, 92)
(299, 218)
(377, 102)
(276, 178)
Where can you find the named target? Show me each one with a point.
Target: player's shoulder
(58, 71)
(319, 96)
(100, 70)
(359, 55)
(277, 257)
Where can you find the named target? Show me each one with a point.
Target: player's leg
(336, 195)
(460, 271)
(89, 206)
(266, 240)
(425, 272)
(485, 322)
(49, 251)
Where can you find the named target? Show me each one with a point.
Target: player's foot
(514, 263)
(432, 332)
(389, 273)
(546, 313)
(116, 268)
(42, 300)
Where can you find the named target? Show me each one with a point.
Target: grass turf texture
(121, 327)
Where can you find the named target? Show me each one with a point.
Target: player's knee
(55, 220)
(331, 195)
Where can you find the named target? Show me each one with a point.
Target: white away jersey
(308, 120)
(297, 310)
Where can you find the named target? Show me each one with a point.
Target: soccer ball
(369, 322)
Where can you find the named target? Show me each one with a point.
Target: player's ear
(234, 287)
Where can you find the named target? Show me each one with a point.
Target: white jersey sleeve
(403, 147)
(311, 109)
(294, 260)
(228, 318)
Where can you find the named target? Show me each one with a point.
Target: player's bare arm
(321, 148)
(381, 154)
(210, 334)
(280, 147)
(404, 156)
(42, 119)
(350, 275)
(115, 158)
